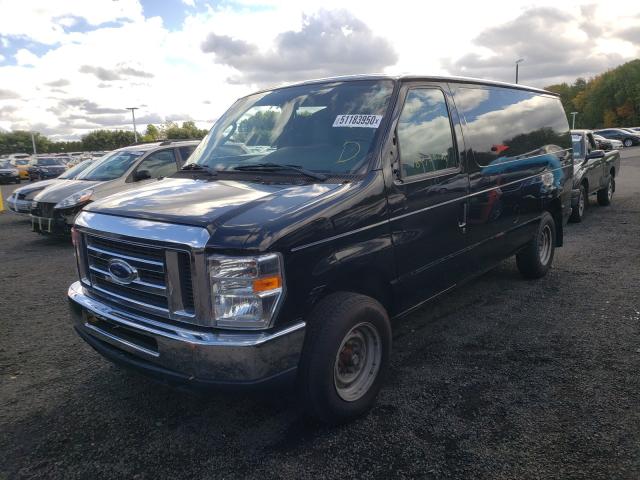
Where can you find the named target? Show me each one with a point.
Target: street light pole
(517, 65)
(573, 120)
(33, 143)
(133, 116)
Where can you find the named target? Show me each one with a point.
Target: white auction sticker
(363, 121)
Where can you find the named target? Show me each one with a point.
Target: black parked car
(45, 167)
(628, 138)
(594, 172)
(358, 199)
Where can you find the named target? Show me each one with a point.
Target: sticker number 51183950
(362, 121)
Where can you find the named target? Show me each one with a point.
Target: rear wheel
(577, 214)
(346, 352)
(628, 142)
(605, 195)
(534, 260)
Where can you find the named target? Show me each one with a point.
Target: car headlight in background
(75, 199)
(245, 291)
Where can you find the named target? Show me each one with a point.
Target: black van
(309, 217)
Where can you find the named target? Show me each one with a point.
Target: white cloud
(25, 58)
(132, 60)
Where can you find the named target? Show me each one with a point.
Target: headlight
(245, 291)
(75, 199)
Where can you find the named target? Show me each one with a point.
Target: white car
(615, 144)
(55, 208)
(21, 198)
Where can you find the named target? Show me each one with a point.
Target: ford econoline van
(309, 218)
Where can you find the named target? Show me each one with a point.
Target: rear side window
(503, 123)
(159, 164)
(425, 140)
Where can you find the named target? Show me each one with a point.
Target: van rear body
(309, 217)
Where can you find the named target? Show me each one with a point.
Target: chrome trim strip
(147, 287)
(335, 237)
(162, 232)
(225, 339)
(404, 215)
(120, 255)
(121, 340)
(174, 285)
(129, 300)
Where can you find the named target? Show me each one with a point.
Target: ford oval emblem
(121, 272)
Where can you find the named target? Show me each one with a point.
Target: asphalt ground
(501, 379)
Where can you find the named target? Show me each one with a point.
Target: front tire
(605, 195)
(345, 356)
(535, 259)
(577, 214)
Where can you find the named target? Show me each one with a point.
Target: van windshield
(111, 167)
(324, 127)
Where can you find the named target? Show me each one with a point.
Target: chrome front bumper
(183, 355)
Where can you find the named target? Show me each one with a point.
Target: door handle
(462, 223)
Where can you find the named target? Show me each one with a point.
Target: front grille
(44, 210)
(150, 291)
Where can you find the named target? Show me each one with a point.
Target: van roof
(411, 77)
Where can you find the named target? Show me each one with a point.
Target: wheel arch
(367, 281)
(555, 209)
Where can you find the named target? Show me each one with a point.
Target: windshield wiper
(276, 167)
(196, 167)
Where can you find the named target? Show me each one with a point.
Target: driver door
(157, 165)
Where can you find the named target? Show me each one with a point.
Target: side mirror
(141, 175)
(595, 154)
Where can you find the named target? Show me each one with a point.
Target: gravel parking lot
(502, 379)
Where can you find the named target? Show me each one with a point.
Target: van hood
(61, 189)
(235, 207)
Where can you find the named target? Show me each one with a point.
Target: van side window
(425, 140)
(160, 164)
(506, 123)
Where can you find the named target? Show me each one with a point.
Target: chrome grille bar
(158, 286)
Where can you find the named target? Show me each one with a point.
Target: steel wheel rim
(357, 362)
(581, 204)
(544, 245)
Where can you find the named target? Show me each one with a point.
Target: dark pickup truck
(594, 172)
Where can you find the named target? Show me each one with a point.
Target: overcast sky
(71, 66)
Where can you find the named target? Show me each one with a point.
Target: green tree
(611, 99)
(107, 139)
(152, 134)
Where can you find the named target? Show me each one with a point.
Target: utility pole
(573, 120)
(133, 116)
(517, 65)
(33, 143)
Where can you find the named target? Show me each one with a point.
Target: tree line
(19, 141)
(611, 99)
